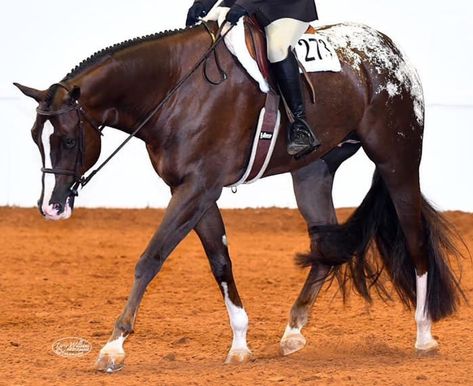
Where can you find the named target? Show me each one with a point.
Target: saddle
(267, 129)
(256, 43)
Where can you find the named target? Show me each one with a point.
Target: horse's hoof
(238, 356)
(292, 343)
(428, 348)
(110, 363)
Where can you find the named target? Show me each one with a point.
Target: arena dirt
(72, 279)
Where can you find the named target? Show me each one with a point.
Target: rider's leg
(281, 35)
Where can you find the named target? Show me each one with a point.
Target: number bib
(317, 54)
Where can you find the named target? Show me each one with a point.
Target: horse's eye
(69, 143)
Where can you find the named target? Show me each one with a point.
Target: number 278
(309, 45)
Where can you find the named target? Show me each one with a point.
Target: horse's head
(69, 144)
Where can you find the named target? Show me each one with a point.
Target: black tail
(346, 247)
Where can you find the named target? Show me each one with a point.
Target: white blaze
(49, 179)
(48, 209)
(238, 321)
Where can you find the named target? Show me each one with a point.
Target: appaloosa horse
(199, 142)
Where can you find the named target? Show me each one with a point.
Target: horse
(199, 142)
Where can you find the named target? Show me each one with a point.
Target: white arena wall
(42, 41)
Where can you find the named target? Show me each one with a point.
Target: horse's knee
(277, 51)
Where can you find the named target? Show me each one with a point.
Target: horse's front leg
(189, 202)
(211, 231)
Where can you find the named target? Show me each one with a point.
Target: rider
(284, 22)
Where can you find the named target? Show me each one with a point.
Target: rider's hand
(236, 12)
(195, 12)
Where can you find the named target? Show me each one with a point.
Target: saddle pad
(235, 41)
(313, 50)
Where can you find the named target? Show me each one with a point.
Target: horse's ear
(74, 94)
(37, 95)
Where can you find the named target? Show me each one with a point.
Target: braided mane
(96, 57)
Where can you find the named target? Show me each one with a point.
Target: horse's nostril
(59, 207)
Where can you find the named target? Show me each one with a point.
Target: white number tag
(317, 54)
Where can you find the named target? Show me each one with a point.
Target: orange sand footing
(72, 279)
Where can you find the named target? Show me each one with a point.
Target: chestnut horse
(199, 142)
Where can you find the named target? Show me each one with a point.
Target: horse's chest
(167, 167)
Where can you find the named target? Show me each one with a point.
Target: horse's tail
(346, 247)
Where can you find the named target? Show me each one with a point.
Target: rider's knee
(277, 52)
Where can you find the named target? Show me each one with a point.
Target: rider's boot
(301, 138)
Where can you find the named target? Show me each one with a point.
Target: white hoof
(238, 356)
(110, 362)
(292, 343)
(427, 347)
(112, 356)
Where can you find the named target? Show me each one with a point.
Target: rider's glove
(195, 12)
(236, 12)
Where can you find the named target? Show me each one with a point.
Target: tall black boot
(301, 138)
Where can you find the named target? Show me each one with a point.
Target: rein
(81, 181)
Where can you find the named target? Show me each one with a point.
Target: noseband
(82, 116)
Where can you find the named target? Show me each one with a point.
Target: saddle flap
(256, 44)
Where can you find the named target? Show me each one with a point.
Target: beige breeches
(282, 34)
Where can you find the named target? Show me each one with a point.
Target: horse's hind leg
(406, 197)
(404, 190)
(395, 148)
(313, 190)
(211, 232)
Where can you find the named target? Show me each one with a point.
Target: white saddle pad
(313, 50)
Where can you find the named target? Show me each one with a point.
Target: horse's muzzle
(58, 211)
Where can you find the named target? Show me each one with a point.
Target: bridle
(80, 180)
(82, 116)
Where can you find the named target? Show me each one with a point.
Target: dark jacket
(267, 11)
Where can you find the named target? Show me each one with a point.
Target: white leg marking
(239, 324)
(424, 340)
(111, 355)
(224, 240)
(114, 347)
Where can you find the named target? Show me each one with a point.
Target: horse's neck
(122, 90)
